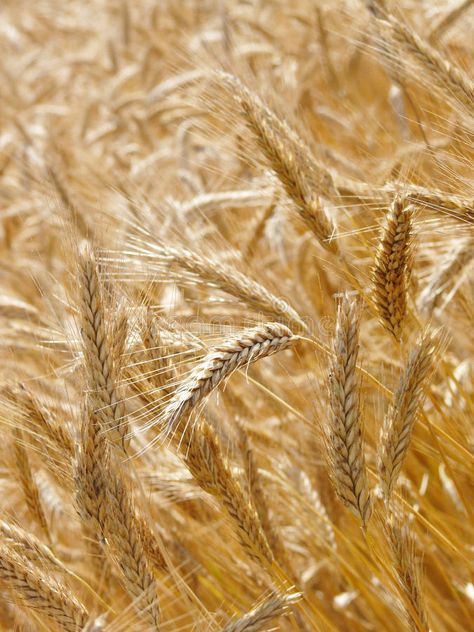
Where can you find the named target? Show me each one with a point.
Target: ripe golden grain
(188, 188)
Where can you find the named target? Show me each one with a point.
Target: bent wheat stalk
(28, 545)
(223, 276)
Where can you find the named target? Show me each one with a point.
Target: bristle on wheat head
(218, 365)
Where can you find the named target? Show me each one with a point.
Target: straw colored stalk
(28, 483)
(227, 279)
(106, 506)
(259, 499)
(127, 548)
(104, 500)
(28, 545)
(453, 82)
(446, 277)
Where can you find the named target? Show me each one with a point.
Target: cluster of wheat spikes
(236, 311)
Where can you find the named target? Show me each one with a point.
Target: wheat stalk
(407, 567)
(259, 499)
(447, 273)
(39, 417)
(28, 545)
(226, 278)
(455, 84)
(258, 230)
(125, 541)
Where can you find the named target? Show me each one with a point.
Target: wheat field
(236, 311)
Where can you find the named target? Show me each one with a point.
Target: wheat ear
(39, 417)
(259, 498)
(228, 280)
(345, 448)
(262, 615)
(391, 273)
(53, 441)
(39, 592)
(28, 483)
(202, 454)
(398, 423)
(28, 545)
(445, 278)
(104, 501)
(455, 84)
(108, 511)
(449, 19)
(290, 159)
(92, 462)
(407, 567)
(221, 361)
(101, 361)
(127, 548)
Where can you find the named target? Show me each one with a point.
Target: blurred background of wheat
(176, 176)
